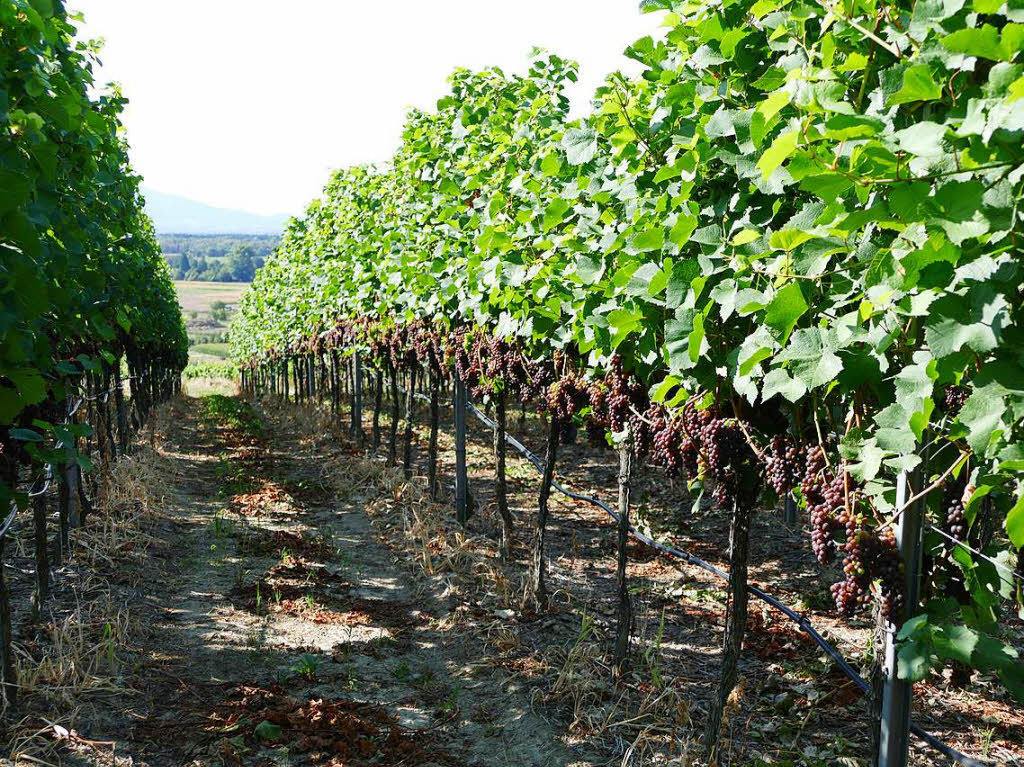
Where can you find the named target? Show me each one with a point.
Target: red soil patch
(330, 733)
(259, 501)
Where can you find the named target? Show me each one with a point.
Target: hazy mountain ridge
(172, 214)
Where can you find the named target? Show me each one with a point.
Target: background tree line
(220, 258)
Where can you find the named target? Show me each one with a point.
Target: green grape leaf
(580, 145)
(782, 149)
(1015, 523)
(812, 358)
(785, 310)
(918, 85)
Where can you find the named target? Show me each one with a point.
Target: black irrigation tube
(803, 623)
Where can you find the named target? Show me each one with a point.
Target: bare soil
(291, 600)
(271, 627)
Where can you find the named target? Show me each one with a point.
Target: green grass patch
(214, 350)
(233, 412)
(210, 370)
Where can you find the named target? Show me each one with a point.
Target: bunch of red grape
(427, 344)
(824, 496)
(784, 465)
(671, 448)
(625, 397)
(378, 345)
(888, 569)
(954, 524)
(567, 396)
(695, 420)
(598, 396)
(718, 447)
(953, 399)
(399, 352)
(462, 351)
(732, 463)
(956, 520)
(870, 556)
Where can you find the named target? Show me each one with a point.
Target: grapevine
(773, 255)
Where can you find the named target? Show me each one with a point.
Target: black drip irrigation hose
(802, 622)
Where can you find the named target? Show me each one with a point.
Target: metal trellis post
(897, 694)
(461, 477)
(357, 400)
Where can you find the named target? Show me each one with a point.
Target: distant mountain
(179, 215)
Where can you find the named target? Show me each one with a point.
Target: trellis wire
(977, 553)
(803, 623)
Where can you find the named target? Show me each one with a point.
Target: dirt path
(276, 629)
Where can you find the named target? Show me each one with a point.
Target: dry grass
(76, 654)
(645, 723)
(202, 387)
(137, 486)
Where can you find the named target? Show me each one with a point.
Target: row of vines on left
(91, 334)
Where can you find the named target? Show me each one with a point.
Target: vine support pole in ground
(8, 679)
(500, 489)
(461, 475)
(537, 580)
(357, 398)
(789, 511)
(108, 428)
(84, 506)
(625, 608)
(334, 385)
(435, 426)
(410, 411)
(393, 433)
(42, 589)
(62, 541)
(378, 403)
(735, 622)
(119, 399)
(897, 694)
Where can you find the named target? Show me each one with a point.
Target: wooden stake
(538, 585)
(462, 500)
(393, 435)
(625, 607)
(735, 623)
(410, 411)
(357, 399)
(42, 590)
(500, 488)
(435, 426)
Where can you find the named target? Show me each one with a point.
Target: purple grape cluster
(728, 457)
(784, 465)
(567, 396)
(870, 557)
(825, 496)
(625, 395)
(953, 399)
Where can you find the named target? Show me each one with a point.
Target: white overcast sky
(249, 104)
